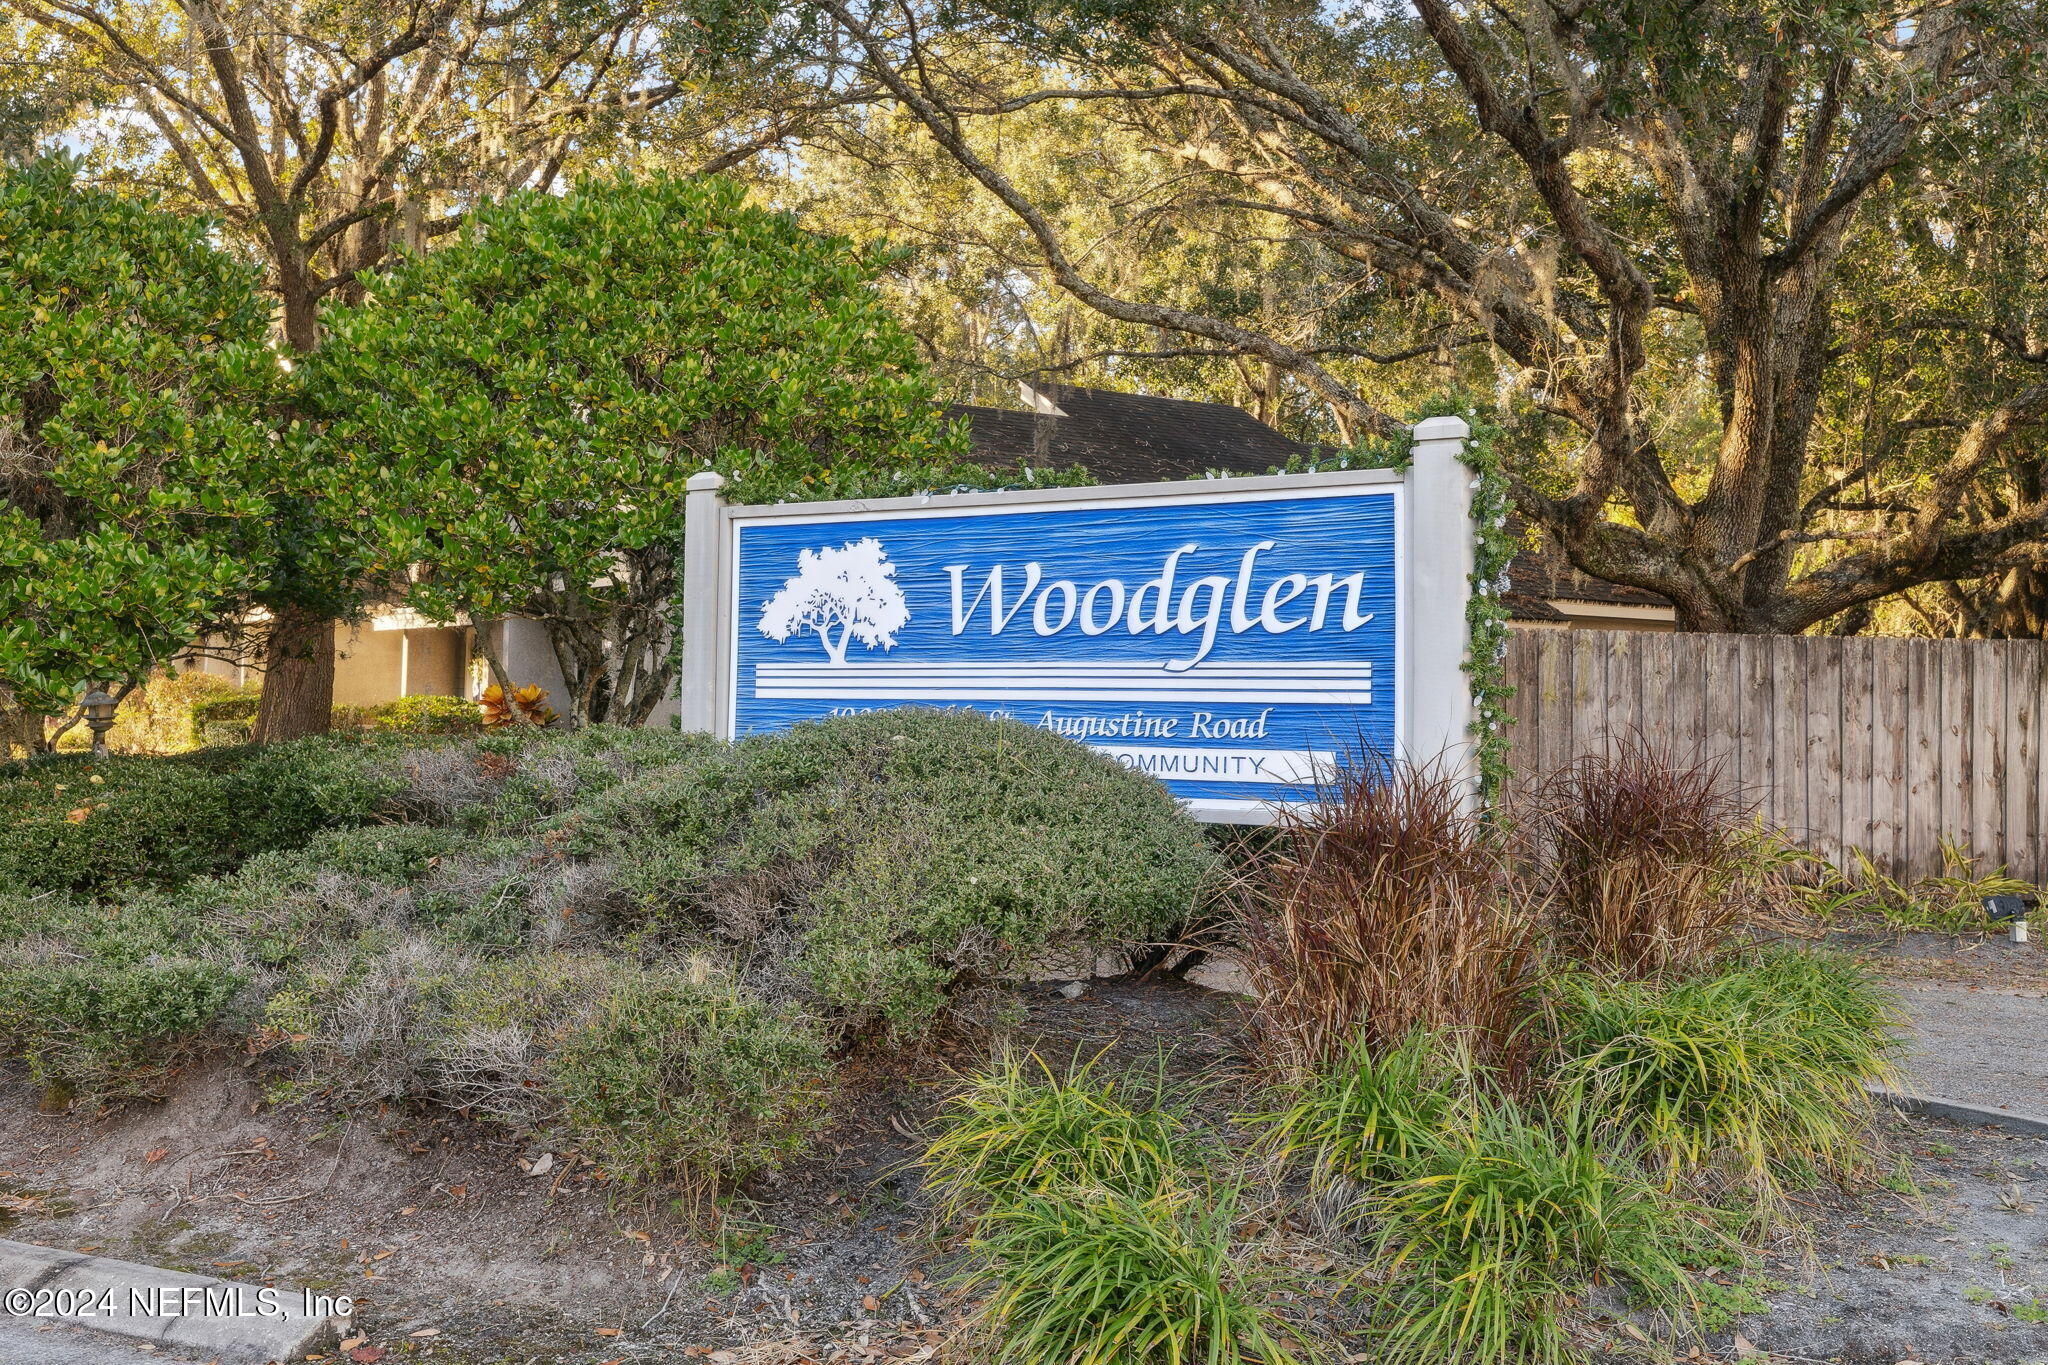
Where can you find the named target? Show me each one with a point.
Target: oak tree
(1666, 234)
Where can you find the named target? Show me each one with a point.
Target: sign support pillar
(702, 534)
(1443, 548)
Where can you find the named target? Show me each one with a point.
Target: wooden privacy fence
(1879, 744)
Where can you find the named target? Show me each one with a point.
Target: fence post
(697, 709)
(1442, 545)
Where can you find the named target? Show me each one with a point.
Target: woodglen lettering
(1152, 608)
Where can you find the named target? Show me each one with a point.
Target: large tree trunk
(298, 665)
(298, 677)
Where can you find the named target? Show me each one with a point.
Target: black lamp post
(99, 718)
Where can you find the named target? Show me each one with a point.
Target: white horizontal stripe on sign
(1324, 683)
(1292, 767)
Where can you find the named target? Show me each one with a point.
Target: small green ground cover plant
(659, 947)
(1949, 901)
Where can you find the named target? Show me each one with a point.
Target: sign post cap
(1442, 429)
(709, 478)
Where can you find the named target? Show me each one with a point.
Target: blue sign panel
(1231, 645)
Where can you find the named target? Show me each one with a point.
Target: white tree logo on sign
(843, 595)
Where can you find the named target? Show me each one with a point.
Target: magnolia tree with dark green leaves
(519, 410)
(138, 453)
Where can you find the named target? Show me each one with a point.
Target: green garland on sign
(1486, 611)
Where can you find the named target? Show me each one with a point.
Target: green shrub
(281, 908)
(669, 1076)
(913, 853)
(422, 714)
(91, 827)
(100, 1026)
(1757, 1071)
(1501, 1221)
(226, 719)
(655, 1072)
(516, 779)
(96, 827)
(1018, 1129)
(1094, 1276)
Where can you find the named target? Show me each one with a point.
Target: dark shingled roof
(1132, 438)
(1128, 437)
(1543, 571)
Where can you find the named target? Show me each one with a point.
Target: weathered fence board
(1883, 745)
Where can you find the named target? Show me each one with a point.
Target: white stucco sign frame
(1232, 637)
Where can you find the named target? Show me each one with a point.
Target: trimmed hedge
(97, 827)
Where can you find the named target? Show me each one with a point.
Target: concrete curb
(241, 1324)
(1933, 1106)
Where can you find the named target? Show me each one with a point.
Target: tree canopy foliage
(1702, 253)
(324, 134)
(1756, 291)
(520, 409)
(139, 442)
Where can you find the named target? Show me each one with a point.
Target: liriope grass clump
(1021, 1128)
(1483, 1215)
(1499, 1223)
(1089, 1275)
(1104, 1229)
(1752, 1076)
(1365, 1119)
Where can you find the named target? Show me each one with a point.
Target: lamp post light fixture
(99, 718)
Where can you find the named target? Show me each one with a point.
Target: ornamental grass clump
(1504, 1219)
(1103, 1229)
(1096, 1276)
(1388, 905)
(1753, 1077)
(1646, 860)
(1020, 1129)
(1365, 1119)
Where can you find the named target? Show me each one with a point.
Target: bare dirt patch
(463, 1242)
(1947, 1261)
